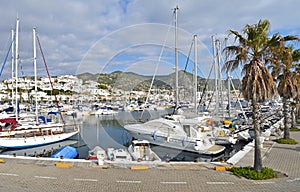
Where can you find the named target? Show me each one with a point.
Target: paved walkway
(280, 157)
(28, 175)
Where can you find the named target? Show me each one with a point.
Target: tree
(283, 70)
(257, 82)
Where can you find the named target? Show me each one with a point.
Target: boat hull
(26, 142)
(181, 144)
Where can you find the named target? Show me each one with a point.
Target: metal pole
(220, 90)
(12, 65)
(176, 55)
(35, 74)
(17, 59)
(228, 85)
(195, 72)
(216, 77)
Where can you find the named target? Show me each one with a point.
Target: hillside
(132, 81)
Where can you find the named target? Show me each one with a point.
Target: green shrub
(294, 129)
(250, 173)
(286, 141)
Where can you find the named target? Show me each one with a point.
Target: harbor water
(107, 131)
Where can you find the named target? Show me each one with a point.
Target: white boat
(118, 155)
(41, 151)
(17, 132)
(96, 153)
(19, 136)
(222, 133)
(175, 135)
(140, 151)
(105, 111)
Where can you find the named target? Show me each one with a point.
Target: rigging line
(205, 86)
(6, 44)
(188, 58)
(156, 67)
(51, 83)
(187, 62)
(238, 101)
(6, 56)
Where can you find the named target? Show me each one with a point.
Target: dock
(41, 174)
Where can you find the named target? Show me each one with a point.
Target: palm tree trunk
(257, 146)
(293, 117)
(287, 117)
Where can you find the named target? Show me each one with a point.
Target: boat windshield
(142, 144)
(121, 157)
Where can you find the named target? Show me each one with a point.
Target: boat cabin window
(141, 144)
(190, 131)
(187, 130)
(166, 129)
(121, 157)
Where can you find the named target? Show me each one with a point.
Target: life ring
(208, 121)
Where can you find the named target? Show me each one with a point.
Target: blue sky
(99, 36)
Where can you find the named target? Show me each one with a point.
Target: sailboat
(17, 132)
(175, 131)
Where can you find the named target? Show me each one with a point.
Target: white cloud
(69, 30)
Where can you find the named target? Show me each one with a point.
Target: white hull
(171, 134)
(24, 142)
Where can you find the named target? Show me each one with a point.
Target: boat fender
(154, 136)
(183, 142)
(168, 139)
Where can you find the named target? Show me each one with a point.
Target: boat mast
(216, 77)
(195, 72)
(228, 85)
(220, 90)
(12, 65)
(35, 74)
(16, 68)
(176, 56)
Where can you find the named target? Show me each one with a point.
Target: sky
(101, 36)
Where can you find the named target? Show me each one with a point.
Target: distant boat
(66, 152)
(105, 111)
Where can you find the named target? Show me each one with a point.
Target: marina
(149, 96)
(184, 175)
(108, 132)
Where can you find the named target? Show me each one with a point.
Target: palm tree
(257, 83)
(296, 75)
(282, 64)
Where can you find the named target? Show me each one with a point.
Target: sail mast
(195, 72)
(12, 65)
(176, 56)
(16, 68)
(216, 77)
(228, 85)
(219, 79)
(35, 74)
